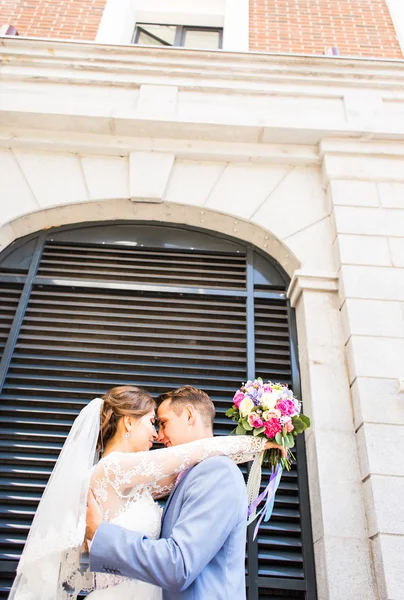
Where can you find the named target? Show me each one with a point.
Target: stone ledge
(315, 282)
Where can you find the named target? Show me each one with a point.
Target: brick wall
(356, 27)
(69, 19)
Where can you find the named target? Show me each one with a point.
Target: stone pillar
(366, 190)
(341, 546)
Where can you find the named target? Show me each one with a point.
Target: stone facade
(302, 157)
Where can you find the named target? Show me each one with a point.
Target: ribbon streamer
(269, 495)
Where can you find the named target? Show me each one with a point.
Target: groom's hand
(93, 517)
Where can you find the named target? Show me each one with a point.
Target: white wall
(397, 14)
(120, 17)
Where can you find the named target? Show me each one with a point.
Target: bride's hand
(283, 450)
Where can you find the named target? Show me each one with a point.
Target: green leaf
(246, 425)
(289, 441)
(284, 432)
(298, 424)
(230, 412)
(305, 420)
(279, 438)
(240, 430)
(233, 431)
(258, 430)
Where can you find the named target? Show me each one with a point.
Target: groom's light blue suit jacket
(201, 552)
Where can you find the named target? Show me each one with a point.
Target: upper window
(152, 34)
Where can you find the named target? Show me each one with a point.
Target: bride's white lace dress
(127, 485)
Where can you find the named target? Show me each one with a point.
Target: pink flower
(289, 426)
(255, 421)
(272, 427)
(238, 398)
(286, 407)
(267, 388)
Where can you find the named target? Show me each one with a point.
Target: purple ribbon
(269, 494)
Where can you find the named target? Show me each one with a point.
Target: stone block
(337, 457)
(191, 181)
(373, 283)
(379, 449)
(149, 173)
(364, 167)
(313, 246)
(16, 196)
(297, 202)
(384, 498)
(391, 194)
(325, 391)
(364, 108)
(55, 179)
(157, 101)
(242, 189)
(363, 250)
(377, 401)
(395, 223)
(106, 176)
(372, 317)
(354, 193)
(392, 553)
(356, 220)
(375, 357)
(397, 251)
(349, 568)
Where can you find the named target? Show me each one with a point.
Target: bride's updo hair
(124, 400)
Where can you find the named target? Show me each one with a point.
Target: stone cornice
(247, 98)
(74, 142)
(311, 281)
(172, 63)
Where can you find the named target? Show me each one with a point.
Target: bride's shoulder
(111, 459)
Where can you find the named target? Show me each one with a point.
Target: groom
(201, 552)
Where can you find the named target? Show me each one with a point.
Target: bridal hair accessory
(272, 411)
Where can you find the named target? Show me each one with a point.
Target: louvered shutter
(101, 315)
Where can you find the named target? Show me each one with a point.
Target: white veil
(49, 567)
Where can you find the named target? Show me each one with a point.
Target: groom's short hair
(190, 395)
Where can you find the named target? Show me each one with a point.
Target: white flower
(271, 414)
(246, 406)
(269, 399)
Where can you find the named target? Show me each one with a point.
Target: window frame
(180, 33)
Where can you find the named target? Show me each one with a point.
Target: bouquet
(272, 411)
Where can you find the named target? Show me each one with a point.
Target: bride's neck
(114, 446)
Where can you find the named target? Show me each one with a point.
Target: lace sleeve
(126, 470)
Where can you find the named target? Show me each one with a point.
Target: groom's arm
(210, 510)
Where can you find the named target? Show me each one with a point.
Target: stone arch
(164, 212)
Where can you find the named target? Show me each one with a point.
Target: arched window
(88, 307)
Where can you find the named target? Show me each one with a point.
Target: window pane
(156, 35)
(145, 40)
(208, 40)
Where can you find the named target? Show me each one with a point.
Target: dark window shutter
(101, 315)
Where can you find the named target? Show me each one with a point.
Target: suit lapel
(175, 490)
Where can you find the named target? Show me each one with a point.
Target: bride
(126, 483)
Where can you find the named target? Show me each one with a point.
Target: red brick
(356, 27)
